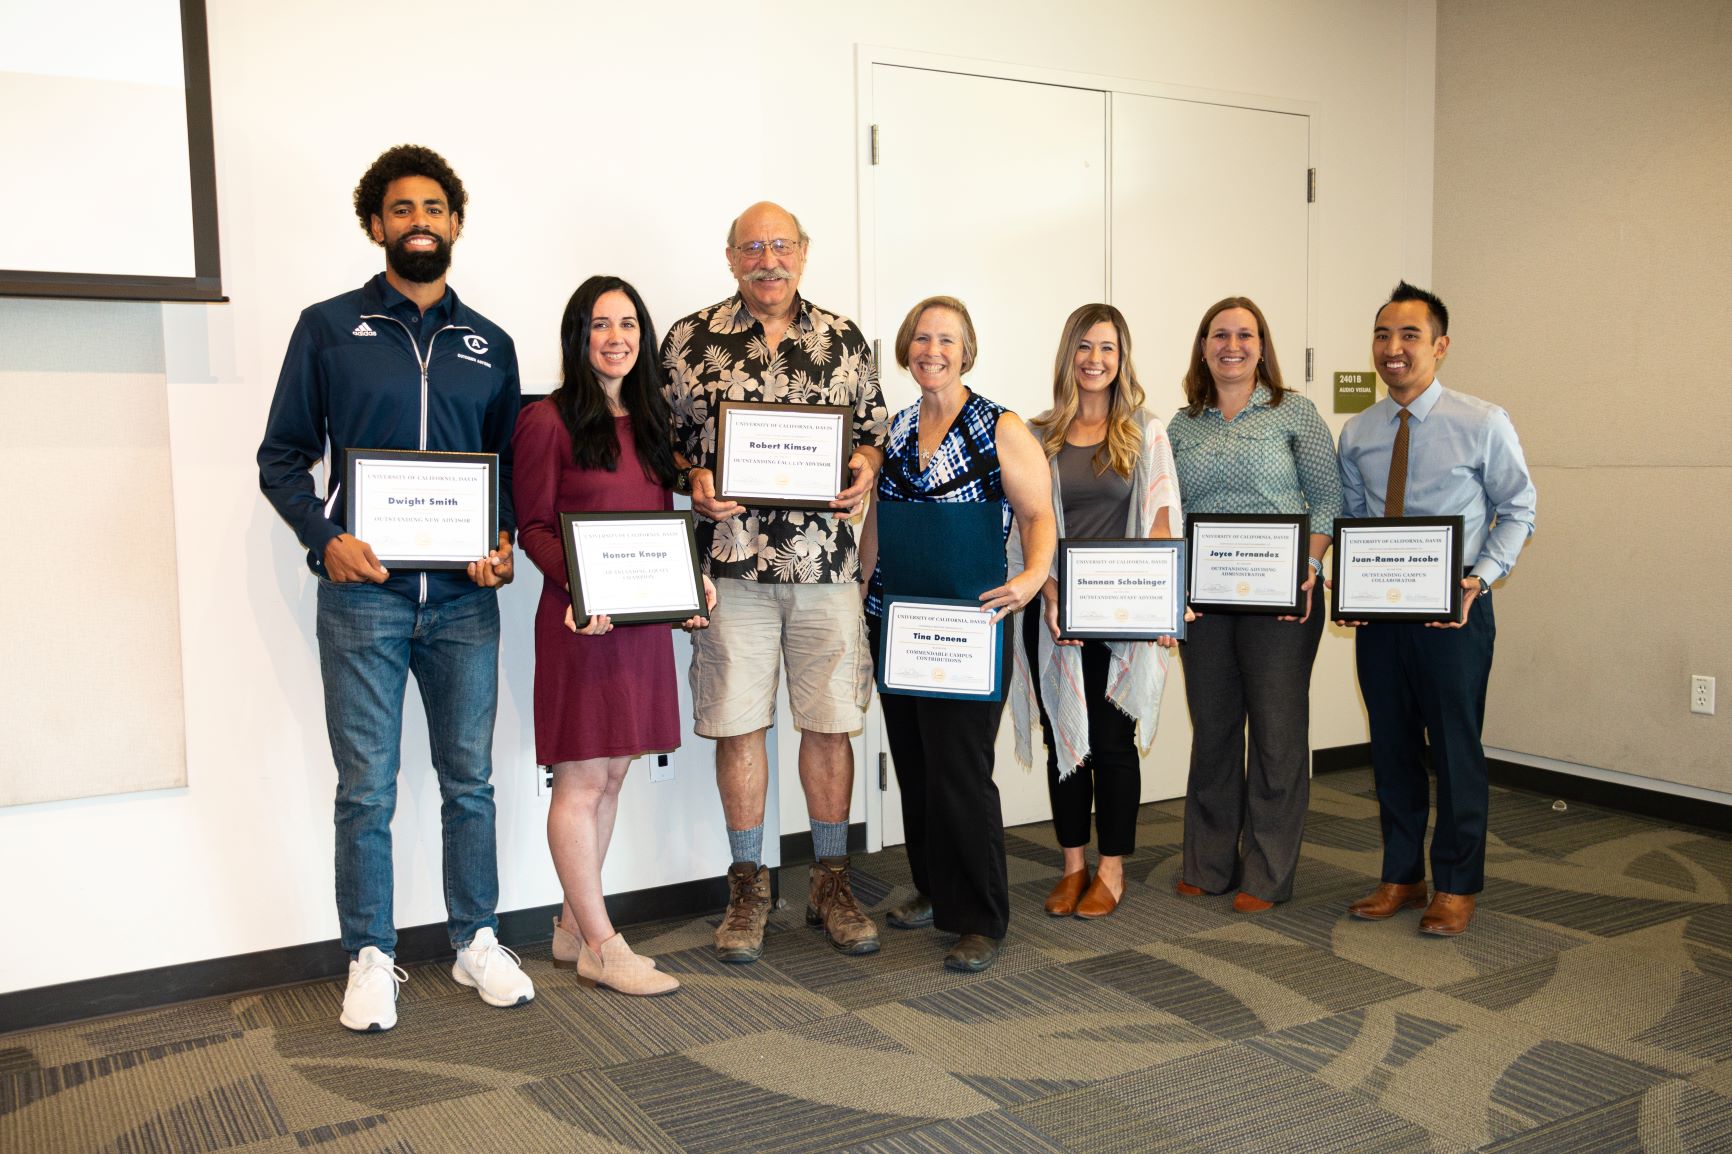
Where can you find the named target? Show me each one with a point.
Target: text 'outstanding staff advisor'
(401, 363)
(786, 580)
(1427, 451)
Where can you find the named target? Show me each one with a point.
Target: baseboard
(1337, 758)
(288, 965)
(797, 847)
(1631, 799)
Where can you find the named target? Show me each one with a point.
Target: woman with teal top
(1245, 444)
(955, 446)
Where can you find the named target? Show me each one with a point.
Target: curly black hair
(396, 163)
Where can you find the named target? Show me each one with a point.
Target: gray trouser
(1245, 815)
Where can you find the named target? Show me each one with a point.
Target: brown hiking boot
(832, 906)
(740, 937)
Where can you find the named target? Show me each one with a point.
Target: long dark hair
(582, 405)
(1200, 382)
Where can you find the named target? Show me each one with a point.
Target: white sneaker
(490, 968)
(370, 1002)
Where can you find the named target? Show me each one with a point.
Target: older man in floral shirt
(787, 580)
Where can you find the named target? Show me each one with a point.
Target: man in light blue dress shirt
(1426, 683)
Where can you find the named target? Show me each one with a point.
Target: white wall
(592, 138)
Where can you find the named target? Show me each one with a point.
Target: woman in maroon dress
(603, 696)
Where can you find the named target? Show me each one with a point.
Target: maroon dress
(607, 696)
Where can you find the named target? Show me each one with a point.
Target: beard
(419, 267)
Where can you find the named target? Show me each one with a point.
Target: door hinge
(1310, 365)
(878, 354)
(883, 771)
(1310, 176)
(874, 144)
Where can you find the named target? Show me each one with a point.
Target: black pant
(943, 749)
(1110, 782)
(1421, 683)
(1245, 812)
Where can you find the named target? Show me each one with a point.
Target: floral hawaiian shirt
(718, 355)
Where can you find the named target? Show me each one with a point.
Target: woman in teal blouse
(1245, 444)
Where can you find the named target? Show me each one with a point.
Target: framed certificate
(784, 456)
(1121, 589)
(634, 567)
(1248, 562)
(423, 510)
(937, 647)
(1398, 569)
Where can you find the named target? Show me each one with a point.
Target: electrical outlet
(661, 767)
(1702, 694)
(543, 780)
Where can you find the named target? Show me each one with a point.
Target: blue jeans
(370, 639)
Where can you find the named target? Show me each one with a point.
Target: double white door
(1027, 199)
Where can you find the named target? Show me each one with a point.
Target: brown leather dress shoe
(1246, 903)
(1186, 890)
(1447, 915)
(1098, 902)
(1061, 902)
(1387, 900)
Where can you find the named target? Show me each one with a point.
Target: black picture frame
(585, 605)
(1197, 556)
(358, 525)
(728, 489)
(1349, 532)
(1070, 550)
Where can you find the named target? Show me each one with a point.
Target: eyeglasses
(754, 249)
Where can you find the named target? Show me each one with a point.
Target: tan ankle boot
(624, 972)
(568, 952)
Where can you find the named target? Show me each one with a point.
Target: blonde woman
(1112, 476)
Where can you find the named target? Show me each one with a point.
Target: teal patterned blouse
(1267, 459)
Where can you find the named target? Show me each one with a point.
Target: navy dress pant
(1421, 683)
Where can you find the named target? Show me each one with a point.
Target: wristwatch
(1484, 585)
(683, 482)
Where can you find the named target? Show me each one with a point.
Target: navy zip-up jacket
(353, 377)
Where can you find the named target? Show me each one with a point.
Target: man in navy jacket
(401, 363)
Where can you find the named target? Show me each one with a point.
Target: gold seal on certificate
(1247, 562)
(634, 567)
(937, 647)
(786, 456)
(1121, 589)
(422, 510)
(1398, 569)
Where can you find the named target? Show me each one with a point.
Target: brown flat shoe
(1186, 890)
(1098, 902)
(1061, 902)
(1387, 900)
(1447, 915)
(1246, 903)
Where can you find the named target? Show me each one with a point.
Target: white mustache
(769, 274)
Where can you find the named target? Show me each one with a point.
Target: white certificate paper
(1249, 565)
(793, 454)
(1405, 569)
(1117, 591)
(626, 565)
(948, 650)
(424, 513)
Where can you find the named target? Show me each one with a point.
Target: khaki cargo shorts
(817, 631)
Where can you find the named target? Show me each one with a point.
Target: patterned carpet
(1588, 1009)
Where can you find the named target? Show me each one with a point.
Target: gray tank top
(1094, 506)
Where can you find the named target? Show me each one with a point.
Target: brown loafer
(1447, 915)
(1061, 902)
(1186, 890)
(1387, 900)
(1098, 902)
(1246, 903)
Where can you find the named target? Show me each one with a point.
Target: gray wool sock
(747, 844)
